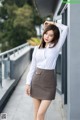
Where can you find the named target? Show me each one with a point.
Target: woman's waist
(46, 67)
(44, 71)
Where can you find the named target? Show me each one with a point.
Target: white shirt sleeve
(32, 68)
(63, 34)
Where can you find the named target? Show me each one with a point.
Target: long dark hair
(55, 38)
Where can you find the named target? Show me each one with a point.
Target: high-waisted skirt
(43, 84)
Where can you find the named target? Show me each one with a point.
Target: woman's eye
(46, 33)
(51, 35)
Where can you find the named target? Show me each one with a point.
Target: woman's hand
(46, 23)
(28, 89)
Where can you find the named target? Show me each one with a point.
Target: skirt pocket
(36, 76)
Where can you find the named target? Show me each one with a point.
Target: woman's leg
(36, 103)
(42, 109)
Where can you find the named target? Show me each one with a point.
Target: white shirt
(46, 58)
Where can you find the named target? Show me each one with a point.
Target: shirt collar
(50, 45)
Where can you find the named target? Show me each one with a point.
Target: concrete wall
(19, 64)
(73, 49)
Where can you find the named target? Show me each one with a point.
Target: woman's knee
(40, 114)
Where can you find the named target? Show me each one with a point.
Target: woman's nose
(47, 36)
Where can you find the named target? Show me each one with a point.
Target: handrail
(16, 48)
(8, 53)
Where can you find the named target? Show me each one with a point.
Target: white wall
(73, 49)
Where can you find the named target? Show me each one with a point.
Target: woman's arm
(46, 23)
(32, 68)
(63, 34)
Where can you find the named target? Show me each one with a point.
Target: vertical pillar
(73, 62)
(1, 71)
(64, 61)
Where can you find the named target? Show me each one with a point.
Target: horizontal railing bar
(16, 48)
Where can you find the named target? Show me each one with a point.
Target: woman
(41, 79)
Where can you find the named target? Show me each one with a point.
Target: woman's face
(48, 36)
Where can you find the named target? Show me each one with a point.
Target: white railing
(6, 55)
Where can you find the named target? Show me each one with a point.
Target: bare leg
(36, 103)
(42, 109)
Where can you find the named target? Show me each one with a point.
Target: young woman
(41, 79)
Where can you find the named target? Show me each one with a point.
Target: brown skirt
(43, 84)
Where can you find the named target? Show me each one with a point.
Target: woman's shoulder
(36, 47)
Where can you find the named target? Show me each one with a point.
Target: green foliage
(34, 41)
(19, 3)
(17, 23)
(23, 16)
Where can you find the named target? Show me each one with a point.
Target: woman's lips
(46, 39)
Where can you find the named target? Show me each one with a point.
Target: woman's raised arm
(63, 34)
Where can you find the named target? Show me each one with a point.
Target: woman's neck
(49, 44)
(46, 44)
